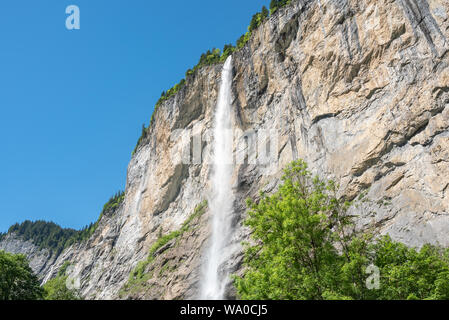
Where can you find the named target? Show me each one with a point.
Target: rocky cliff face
(359, 89)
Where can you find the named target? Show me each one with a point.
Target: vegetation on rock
(58, 287)
(275, 5)
(113, 203)
(140, 275)
(306, 248)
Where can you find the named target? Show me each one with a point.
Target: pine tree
(265, 12)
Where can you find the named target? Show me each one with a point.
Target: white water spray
(215, 278)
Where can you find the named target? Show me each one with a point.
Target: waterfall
(221, 201)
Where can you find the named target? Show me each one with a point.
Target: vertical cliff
(359, 89)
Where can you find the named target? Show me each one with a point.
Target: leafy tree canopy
(17, 281)
(277, 4)
(305, 247)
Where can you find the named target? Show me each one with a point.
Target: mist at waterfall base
(215, 278)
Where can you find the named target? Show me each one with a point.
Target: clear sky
(73, 102)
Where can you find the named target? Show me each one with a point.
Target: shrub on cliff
(113, 202)
(58, 287)
(276, 4)
(258, 18)
(227, 51)
(305, 248)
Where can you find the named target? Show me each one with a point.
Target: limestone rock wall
(357, 88)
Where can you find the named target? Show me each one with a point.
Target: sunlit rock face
(357, 88)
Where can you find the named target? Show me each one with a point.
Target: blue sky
(73, 102)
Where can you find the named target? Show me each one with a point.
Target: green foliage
(227, 51)
(265, 13)
(305, 248)
(277, 4)
(58, 289)
(407, 273)
(212, 57)
(209, 58)
(143, 135)
(138, 275)
(162, 241)
(165, 96)
(17, 281)
(113, 203)
(243, 40)
(84, 234)
(257, 19)
(293, 228)
(62, 271)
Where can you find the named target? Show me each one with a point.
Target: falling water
(221, 202)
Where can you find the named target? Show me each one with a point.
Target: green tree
(227, 51)
(143, 135)
(305, 247)
(276, 4)
(265, 12)
(57, 289)
(407, 273)
(295, 256)
(254, 22)
(17, 281)
(243, 40)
